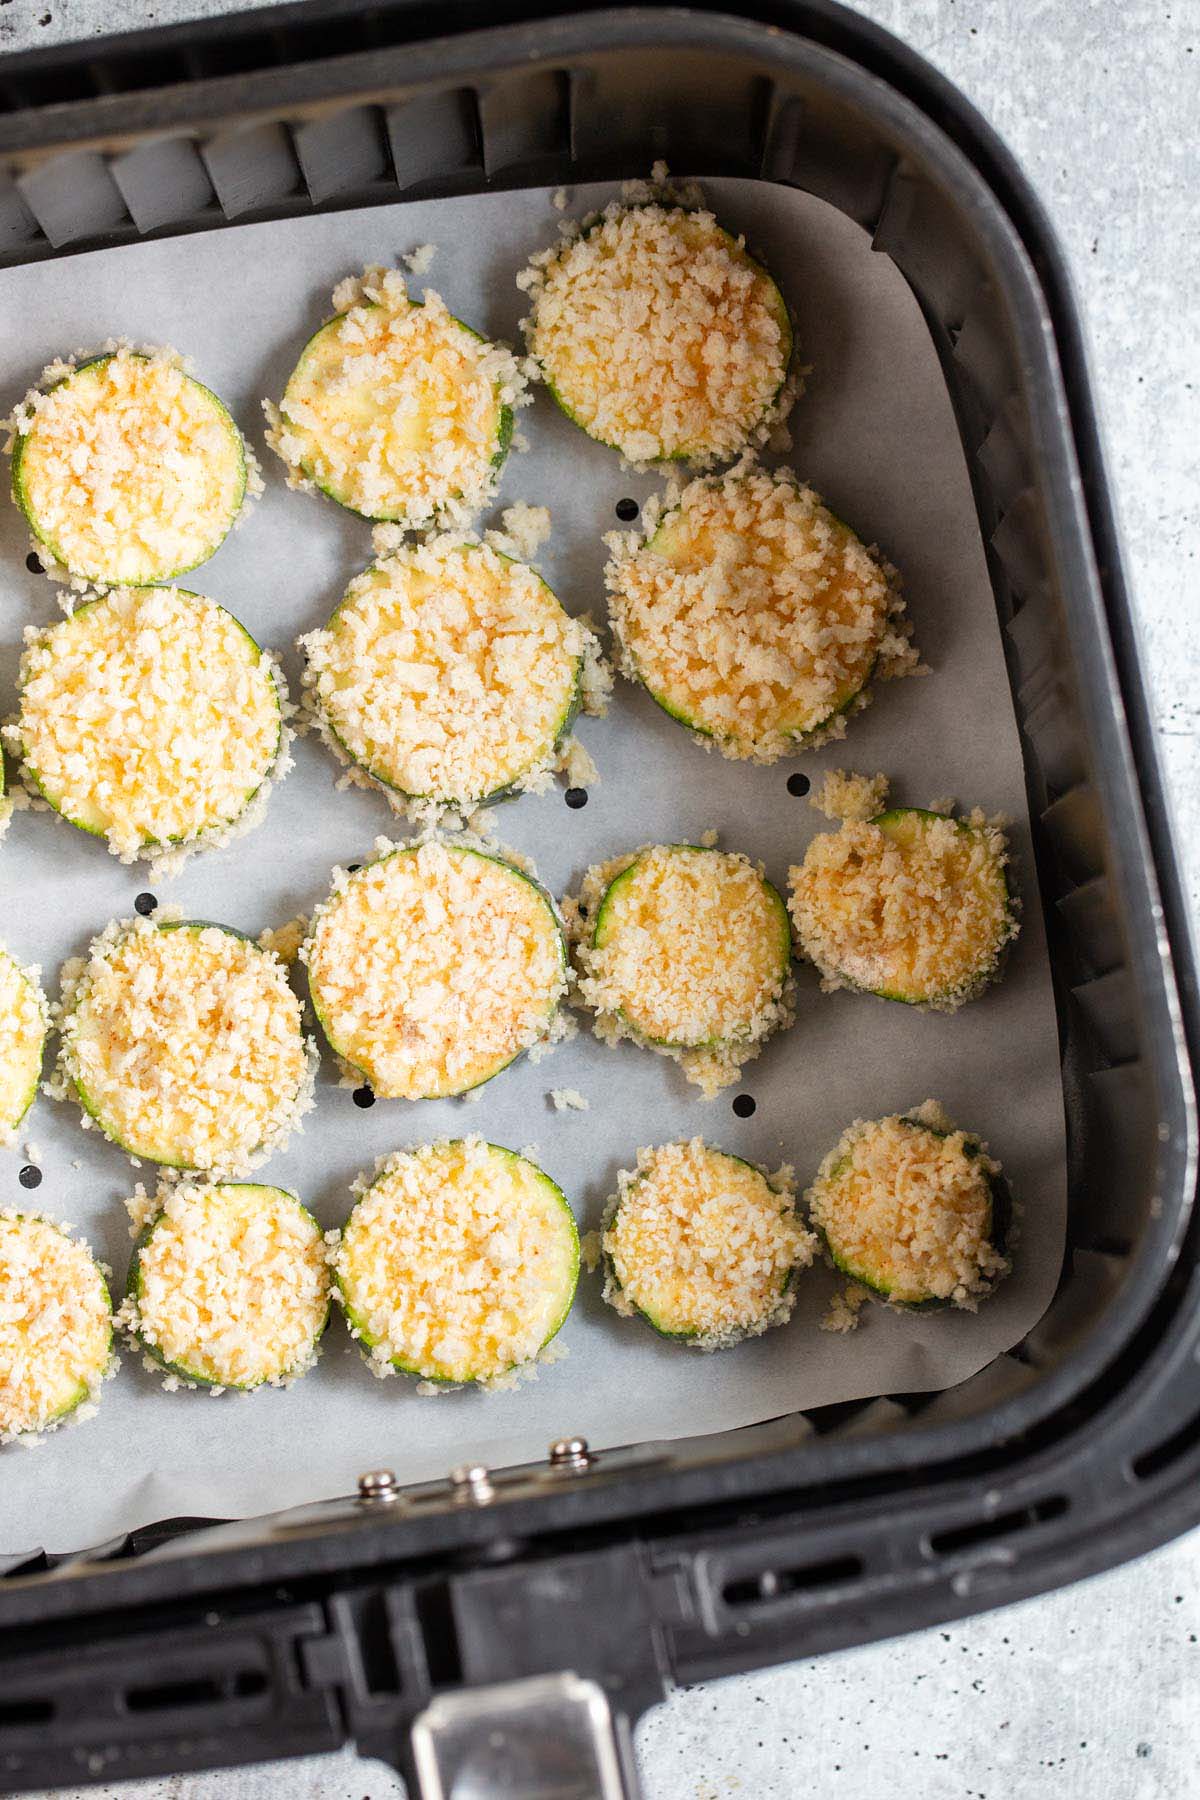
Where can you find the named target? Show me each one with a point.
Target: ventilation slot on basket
(436, 138)
(205, 1690)
(1172, 1449)
(344, 154)
(164, 183)
(525, 123)
(73, 197)
(14, 1713)
(746, 1591)
(252, 169)
(986, 1531)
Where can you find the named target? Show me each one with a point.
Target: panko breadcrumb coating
(911, 905)
(450, 674)
(913, 1210)
(434, 967)
(55, 1326)
(183, 1041)
(458, 1262)
(229, 1285)
(684, 949)
(704, 1245)
(753, 615)
(149, 717)
(127, 469)
(660, 336)
(24, 1021)
(397, 409)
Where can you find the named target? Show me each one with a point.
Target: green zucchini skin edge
(998, 1233)
(987, 975)
(560, 936)
(133, 1291)
(505, 423)
(19, 495)
(687, 1337)
(225, 825)
(778, 905)
(81, 1092)
(358, 1324)
(511, 789)
(785, 313)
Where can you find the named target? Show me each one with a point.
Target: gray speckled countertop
(1094, 1691)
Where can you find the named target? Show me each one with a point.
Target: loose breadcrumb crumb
(420, 260)
(568, 1100)
(24, 1022)
(842, 795)
(284, 940)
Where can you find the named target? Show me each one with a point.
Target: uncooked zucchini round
(183, 1042)
(912, 906)
(55, 1325)
(751, 615)
(660, 336)
(23, 1019)
(434, 967)
(917, 1213)
(229, 1285)
(449, 673)
(458, 1263)
(396, 409)
(149, 717)
(128, 470)
(688, 950)
(703, 1245)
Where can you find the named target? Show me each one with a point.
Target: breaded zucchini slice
(458, 1263)
(128, 470)
(149, 717)
(660, 336)
(55, 1325)
(449, 673)
(434, 967)
(914, 1210)
(183, 1041)
(703, 1245)
(751, 614)
(396, 409)
(229, 1285)
(24, 1018)
(686, 949)
(912, 905)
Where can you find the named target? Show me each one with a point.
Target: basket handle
(544, 1736)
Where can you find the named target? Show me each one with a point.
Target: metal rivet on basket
(571, 1454)
(378, 1484)
(472, 1483)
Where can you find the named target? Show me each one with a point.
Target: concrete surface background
(1094, 1691)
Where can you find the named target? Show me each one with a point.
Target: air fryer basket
(192, 1643)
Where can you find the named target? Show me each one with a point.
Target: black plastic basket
(530, 1615)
